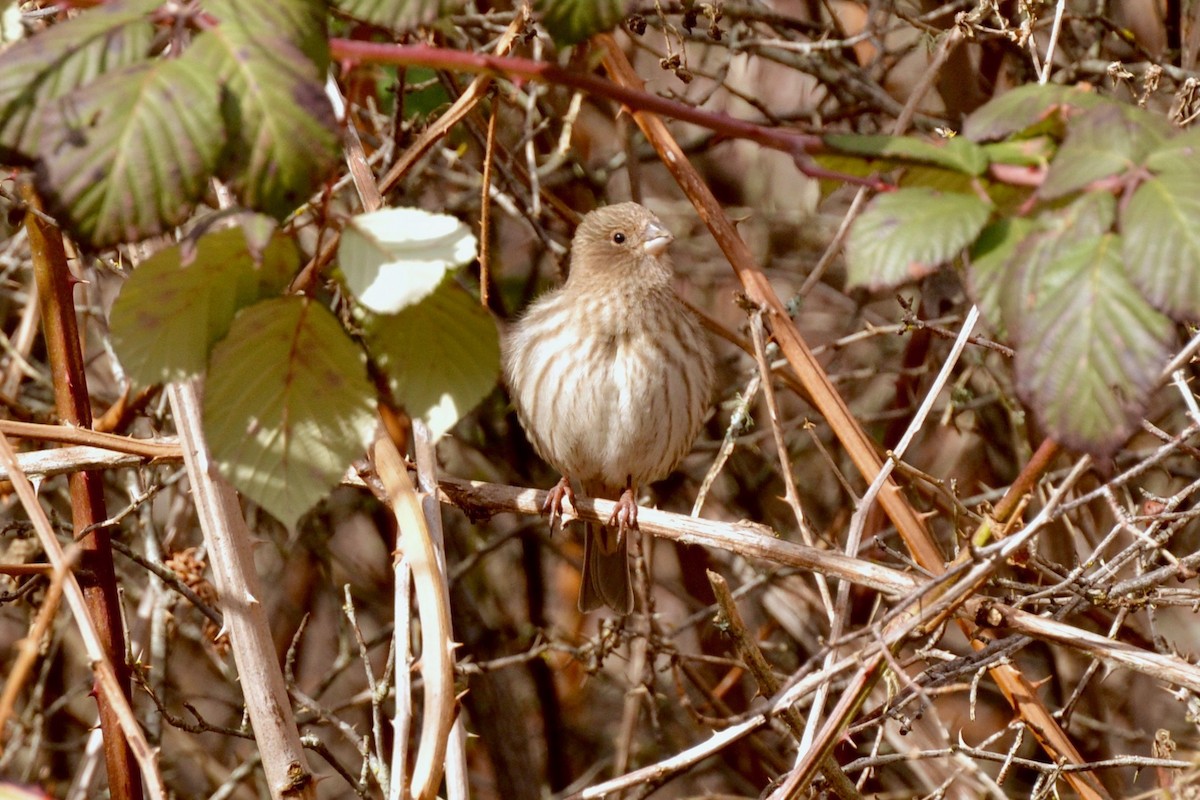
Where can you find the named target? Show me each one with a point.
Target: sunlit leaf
(1102, 141)
(907, 234)
(287, 404)
(172, 310)
(281, 127)
(441, 355)
(958, 154)
(1091, 349)
(128, 155)
(1161, 232)
(39, 69)
(394, 257)
(1029, 109)
(399, 15)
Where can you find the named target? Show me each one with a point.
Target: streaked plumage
(611, 376)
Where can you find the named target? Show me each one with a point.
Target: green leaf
(1059, 230)
(1035, 152)
(395, 257)
(1181, 152)
(128, 155)
(399, 15)
(282, 132)
(287, 405)
(299, 22)
(1102, 141)
(1029, 109)
(572, 21)
(992, 267)
(441, 356)
(172, 310)
(1161, 232)
(35, 71)
(906, 234)
(958, 154)
(1090, 351)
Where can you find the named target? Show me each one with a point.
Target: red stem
(795, 143)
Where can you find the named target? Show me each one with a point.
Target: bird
(611, 376)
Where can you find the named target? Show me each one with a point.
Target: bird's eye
(619, 237)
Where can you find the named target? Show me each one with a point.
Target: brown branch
(96, 574)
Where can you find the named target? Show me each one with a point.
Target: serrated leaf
(1160, 229)
(1057, 231)
(395, 257)
(992, 267)
(399, 15)
(300, 22)
(281, 129)
(906, 234)
(1026, 109)
(128, 155)
(1101, 142)
(287, 405)
(62, 58)
(441, 356)
(957, 154)
(572, 21)
(1091, 350)
(174, 308)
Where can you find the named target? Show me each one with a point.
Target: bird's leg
(624, 516)
(554, 500)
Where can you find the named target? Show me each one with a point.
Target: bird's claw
(554, 501)
(624, 516)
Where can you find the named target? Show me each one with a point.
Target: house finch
(611, 376)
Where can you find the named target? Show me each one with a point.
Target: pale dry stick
(148, 448)
(1189, 398)
(729, 620)
(436, 647)
(791, 496)
(859, 519)
(231, 558)
(661, 770)
(920, 612)
(736, 419)
(1044, 70)
(425, 451)
(105, 676)
(373, 750)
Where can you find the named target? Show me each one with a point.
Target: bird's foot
(624, 516)
(554, 502)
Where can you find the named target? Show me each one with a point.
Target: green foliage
(395, 257)
(1085, 292)
(398, 15)
(282, 135)
(441, 356)
(572, 21)
(125, 146)
(36, 71)
(105, 145)
(181, 301)
(908, 233)
(287, 404)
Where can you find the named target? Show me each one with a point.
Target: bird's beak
(656, 239)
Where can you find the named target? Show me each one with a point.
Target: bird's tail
(605, 570)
